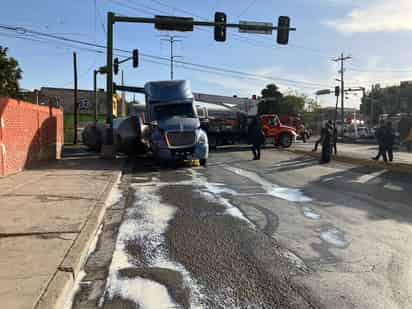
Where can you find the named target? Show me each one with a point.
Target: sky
(377, 34)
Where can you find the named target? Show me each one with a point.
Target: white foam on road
(213, 192)
(289, 194)
(368, 177)
(147, 293)
(146, 224)
(393, 187)
(334, 237)
(308, 212)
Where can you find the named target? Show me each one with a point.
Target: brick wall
(28, 134)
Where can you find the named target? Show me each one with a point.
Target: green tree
(271, 100)
(271, 91)
(10, 74)
(292, 104)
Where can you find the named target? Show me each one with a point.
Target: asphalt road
(283, 232)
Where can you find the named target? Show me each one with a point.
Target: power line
(379, 71)
(247, 8)
(172, 39)
(89, 44)
(250, 41)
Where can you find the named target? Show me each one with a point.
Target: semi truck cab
(174, 126)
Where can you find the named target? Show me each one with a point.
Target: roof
(171, 90)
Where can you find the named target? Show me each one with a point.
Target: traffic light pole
(168, 23)
(109, 79)
(95, 94)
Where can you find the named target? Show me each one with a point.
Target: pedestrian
(335, 139)
(408, 140)
(319, 140)
(256, 137)
(302, 132)
(327, 140)
(380, 138)
(389, 141)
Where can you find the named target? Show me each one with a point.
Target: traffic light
(116, 66)
(135, 58)
(337, 91)
(283, 30)
(220, 30)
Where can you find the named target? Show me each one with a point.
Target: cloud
(376, 16)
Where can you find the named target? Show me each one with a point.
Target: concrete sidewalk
(359, 154)
(49, 216)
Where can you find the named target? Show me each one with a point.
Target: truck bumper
(198, 152)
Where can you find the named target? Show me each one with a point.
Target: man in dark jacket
(327, 140)
(256, 137)
(389, 140)
(380, 138)
(335, 139)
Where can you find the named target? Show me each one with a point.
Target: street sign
(255, 27)
(173, 23)
(323, 91)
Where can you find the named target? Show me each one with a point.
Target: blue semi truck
(172, 127)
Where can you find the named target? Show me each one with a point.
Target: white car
(361, 132)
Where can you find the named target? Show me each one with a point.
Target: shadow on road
(387, 193)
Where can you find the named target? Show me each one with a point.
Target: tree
(271, 91)
(271, 99)
(292, 105)
(10, 74)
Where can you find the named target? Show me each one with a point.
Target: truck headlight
(202, 138)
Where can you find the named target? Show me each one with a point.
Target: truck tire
(212, 142)
(203, 162)
(285, 140)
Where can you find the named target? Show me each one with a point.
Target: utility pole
(123, 104)
(172, 39)
(76, 103)
(342, 59)
(95, 95)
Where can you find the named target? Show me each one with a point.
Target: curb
(61, 284)
(395, 167)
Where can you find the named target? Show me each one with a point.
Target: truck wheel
(285, 140)
(212, 142)
(203, 162)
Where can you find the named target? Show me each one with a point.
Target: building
(65, 98)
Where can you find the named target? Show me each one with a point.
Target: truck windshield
(169, 111)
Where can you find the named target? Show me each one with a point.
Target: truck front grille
(181, 139)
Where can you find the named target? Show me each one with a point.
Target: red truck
(273, 129)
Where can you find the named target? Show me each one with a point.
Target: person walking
(335, 139)
(319, 140)
(380, 138)
(327, 140)
(256, 137)
(408, 141)
(389, 141)
(302, 132)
